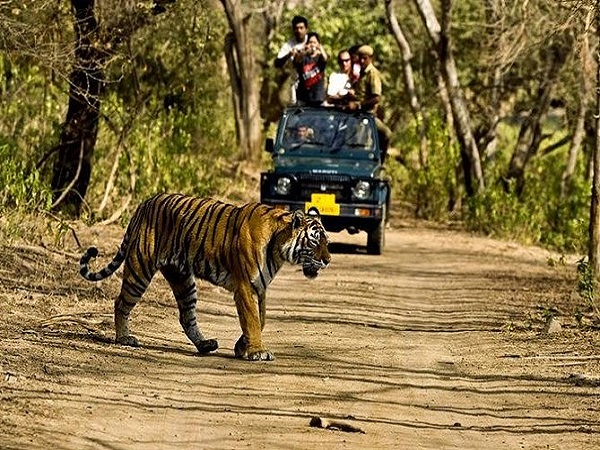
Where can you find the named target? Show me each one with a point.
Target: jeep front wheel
(376, 237)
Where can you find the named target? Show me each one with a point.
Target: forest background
(104, 103)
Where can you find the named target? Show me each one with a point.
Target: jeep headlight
(283, 186)
(362, 190)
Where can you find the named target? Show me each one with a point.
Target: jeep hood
(327, 166)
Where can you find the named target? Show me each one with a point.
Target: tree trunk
(487, 138)
(579, 133)
(487, 133)
(575, 148)
(273, 79)
(245, 81)
(409, 82)
(462, 121)
(72, 168)
(594, 230)
(530, 134)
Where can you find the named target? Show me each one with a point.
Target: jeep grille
(339, 185)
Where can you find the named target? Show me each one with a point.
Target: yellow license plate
(325, 203)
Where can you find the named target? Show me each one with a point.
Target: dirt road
(438, 344)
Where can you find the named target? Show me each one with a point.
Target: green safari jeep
(330, 159)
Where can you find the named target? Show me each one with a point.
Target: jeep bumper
(353, 217)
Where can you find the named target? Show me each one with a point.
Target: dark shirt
(311, 77)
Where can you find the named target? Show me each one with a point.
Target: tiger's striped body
(240, 248)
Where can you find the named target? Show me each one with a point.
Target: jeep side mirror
(269, 145)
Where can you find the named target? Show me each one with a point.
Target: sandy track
(436, 344)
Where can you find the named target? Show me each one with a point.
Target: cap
(365, 50)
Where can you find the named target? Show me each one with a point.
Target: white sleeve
(285, 50)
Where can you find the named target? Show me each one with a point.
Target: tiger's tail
(107, 271)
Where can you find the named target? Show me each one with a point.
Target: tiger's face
(311, 243)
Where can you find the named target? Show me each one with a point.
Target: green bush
(539, 215)
(433, 190)
(164, 150)
(22, 185)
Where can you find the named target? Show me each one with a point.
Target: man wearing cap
(368, 93)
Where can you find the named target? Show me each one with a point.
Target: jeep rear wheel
(376, 238)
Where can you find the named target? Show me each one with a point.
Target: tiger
(239, 248)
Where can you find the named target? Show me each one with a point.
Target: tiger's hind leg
(123, 307)
(183, 285)
(137, 274)
(134, 285)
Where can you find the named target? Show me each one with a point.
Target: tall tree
(530, 134)
(93, 46)
(72, 167)
(409, 81)
(579, 133)
(594, 230)
(244, 78)
(440, 36)
(244, 49)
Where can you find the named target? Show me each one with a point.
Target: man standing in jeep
(368, 94)
(293, 47)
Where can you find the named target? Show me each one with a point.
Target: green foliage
(539, 215)
(190, 161)
(500, 213)
(587, 285)
(22, 186)
(29, 118)
(30, 108)
(176, 60)
(23, 195)
(431, 189)
(164, 151)
(167, 121)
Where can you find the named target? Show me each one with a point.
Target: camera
(310, 49)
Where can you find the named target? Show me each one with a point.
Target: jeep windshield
(319, 131)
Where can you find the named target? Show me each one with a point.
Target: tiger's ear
(297, 219)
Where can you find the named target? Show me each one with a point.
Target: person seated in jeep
(298, 134)
(304, 133)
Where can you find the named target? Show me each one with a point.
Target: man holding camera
(291, 48)
(310, 65)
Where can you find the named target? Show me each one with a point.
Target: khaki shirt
(369, 85)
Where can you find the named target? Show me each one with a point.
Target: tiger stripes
(240, 248)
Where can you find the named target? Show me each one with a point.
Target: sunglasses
(344, 60)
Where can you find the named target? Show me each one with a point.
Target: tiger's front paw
(242, 349)
(261, 355)
(130, 341)
(241, 346)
